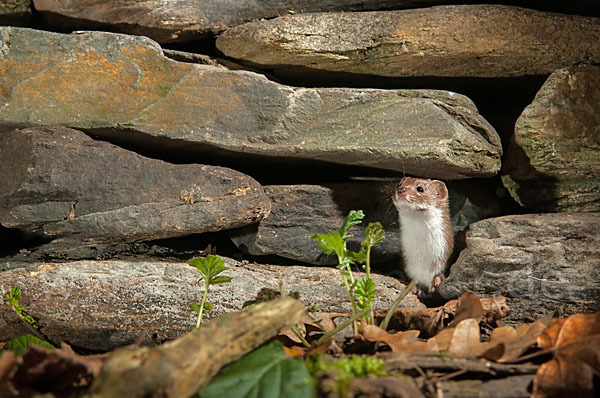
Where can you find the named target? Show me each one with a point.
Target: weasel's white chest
(424, 245)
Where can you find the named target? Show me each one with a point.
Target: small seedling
(374, 234)
(361, 293)
(12, 298)
(210, 268)
(343, 370)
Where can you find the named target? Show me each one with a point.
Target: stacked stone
(112, 139)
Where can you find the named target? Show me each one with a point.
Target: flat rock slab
(445, 41)
(553, 160)
(124, 87)
(100, 305)
(62, 184)
(300, 211)
(540, 263)
(185, 20)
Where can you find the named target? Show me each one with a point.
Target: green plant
(20, 344)
(12, 298)
(361, 293)
(344, 369)
(366, 292)
(265, 372)
(210, 268)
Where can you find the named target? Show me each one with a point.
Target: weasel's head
(420, 194)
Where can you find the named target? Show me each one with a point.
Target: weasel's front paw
(436, 282)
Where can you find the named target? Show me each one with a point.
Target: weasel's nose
(401, 190)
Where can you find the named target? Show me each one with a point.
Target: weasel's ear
(440, 189)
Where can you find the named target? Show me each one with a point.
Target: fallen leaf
(311, 328)
(398, 342)
(573, 372)
(462, 340)
(430, 321)
(564, 331)
(508, 344)
(469, 307)
(58, 370)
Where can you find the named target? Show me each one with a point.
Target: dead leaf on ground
(561, 332)
(571, 372)
(398, 342)
(575, 367)
(469, 307)
(508, 344)
(311, 328)
(430, 321)
(58, 370)
(463, 340)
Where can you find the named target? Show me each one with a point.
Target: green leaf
(365, 293)
(266, 372)
(21, 343)
(195, 307)
(354, 217)
(360, 257)
(330, 243)
(13, 296)
(209, 266)
(200, 264)
(248, 303)
(208, 306)
(220, 279)
(374, 234)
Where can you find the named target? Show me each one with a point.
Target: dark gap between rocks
(266, 170)
(14, 240)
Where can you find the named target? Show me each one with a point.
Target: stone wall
(137, 131)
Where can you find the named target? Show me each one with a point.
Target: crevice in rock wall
(266, 170)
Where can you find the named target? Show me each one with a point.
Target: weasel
(426, 233)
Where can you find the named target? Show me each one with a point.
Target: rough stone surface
(553, 160)
(184, 20)
(541, 263)
(450, 41)
(300, 211)
(100, 305)
(63, 184)
(122, 86)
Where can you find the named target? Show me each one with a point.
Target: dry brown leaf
(462, 340)
(398, 342)
(502, 334)
(431, 321)
(8, 361)
(469, 307)
(59, 371)
(294, 351)
(508, 344)
(309, 328)
(572, 371)
(561, 332)
(494, 308)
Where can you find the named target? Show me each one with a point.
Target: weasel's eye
(420, 190)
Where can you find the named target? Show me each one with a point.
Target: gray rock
(553, 160)
(184, 20)
(62, 184)
(450, 41)
(100, 305)
(300, 211)
(541, 263)
(127, 90)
